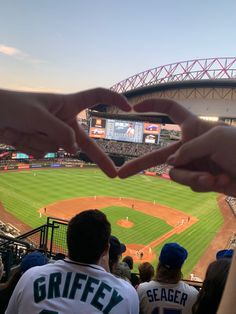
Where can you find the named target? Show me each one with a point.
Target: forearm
(227, 304)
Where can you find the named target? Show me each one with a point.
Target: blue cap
(173, 256)
(224, 254)
(33, 259)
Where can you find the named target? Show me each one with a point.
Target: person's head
(88, 236)
(224, 254)
(146, 272)
(122, 270)
(129, 261)
(213, 286)
(171, 259)
(115, 252)
(32, 259)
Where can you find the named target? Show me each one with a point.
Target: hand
(190, 124)
(192, 127)
(216, 148)
(36, 123)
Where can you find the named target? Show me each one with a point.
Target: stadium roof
(212, 69)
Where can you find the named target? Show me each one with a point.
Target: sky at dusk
(67, 46)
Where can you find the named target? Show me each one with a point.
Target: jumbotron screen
(127, 131)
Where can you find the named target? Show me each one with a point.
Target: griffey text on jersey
(77, 286)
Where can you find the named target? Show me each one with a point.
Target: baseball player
(79, 284)
(167, 293)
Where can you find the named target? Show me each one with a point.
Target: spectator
(224, 254)
(79, 284)
(122, 270)
(7, 288)
(167, 291)
(33, 259)
(213, 286)
(115, 252)
(134, 278)
(146, 272)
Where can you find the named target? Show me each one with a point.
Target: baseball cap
(33, 259)
(224, 254)
(116, 248)
(173, 255)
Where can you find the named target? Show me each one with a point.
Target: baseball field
(145, 212)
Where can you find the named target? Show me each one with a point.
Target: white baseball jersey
(158, 298)
(67, 287)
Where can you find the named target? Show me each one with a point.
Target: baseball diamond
(179, 221)
(157, 210)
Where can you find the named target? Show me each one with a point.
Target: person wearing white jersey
(167, 294)
(79, 284)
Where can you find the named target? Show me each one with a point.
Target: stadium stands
(232, 203)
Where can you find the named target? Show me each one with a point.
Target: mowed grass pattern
(146, 228)
(23, 194)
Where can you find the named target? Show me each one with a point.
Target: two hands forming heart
(36, 123)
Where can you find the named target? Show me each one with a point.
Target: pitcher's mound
(125, 223)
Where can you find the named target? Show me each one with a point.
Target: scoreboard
(122, 130)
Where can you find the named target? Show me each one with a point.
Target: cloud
(18, 54)
(12, 51)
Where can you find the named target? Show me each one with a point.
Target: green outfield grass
(139, 233)
(23, 193)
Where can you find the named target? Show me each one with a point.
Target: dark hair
(88, 236)
(166, 275)
(129, 261)
(146, 272)
(213, 286)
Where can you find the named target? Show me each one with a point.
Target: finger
(93, 151)
(229, 189)
(35, 142)
(204, 182)
(53, 128)
(31, 152)
(176, 112)
(201, 146)
(198, 181)
(90, 98)
(147, 161)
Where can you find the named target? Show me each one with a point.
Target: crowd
(126, 148)
(232, 203)
(204, 160)
(97, 277)
(8, 229)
